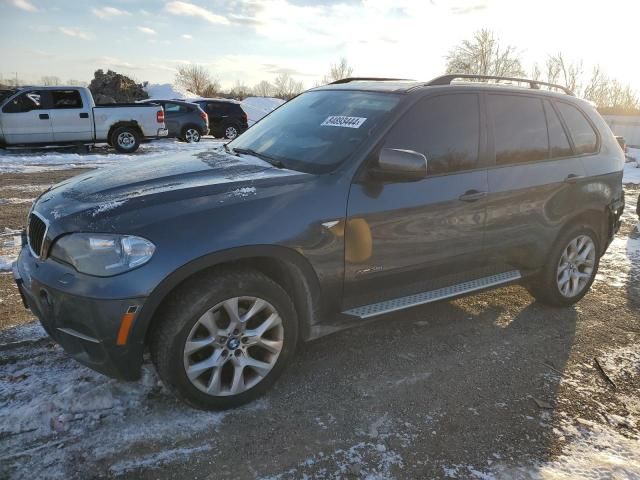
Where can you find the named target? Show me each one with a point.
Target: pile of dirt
(112, 87)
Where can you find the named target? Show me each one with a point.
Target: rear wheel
(191, 135)
(572, 267)
(125, 139)
(225, 339)
(231, 132)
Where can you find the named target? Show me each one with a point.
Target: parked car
(184, 120)
(42, 116)
(351, 201)
(226, 117)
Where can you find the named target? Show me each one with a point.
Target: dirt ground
(493, 385)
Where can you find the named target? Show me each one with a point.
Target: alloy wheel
(126, 140)
(576, 266)
(233, 346)
(231, 133)
(192, 135)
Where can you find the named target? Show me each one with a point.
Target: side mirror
(401, 165)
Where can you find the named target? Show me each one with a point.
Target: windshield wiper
(273, 161)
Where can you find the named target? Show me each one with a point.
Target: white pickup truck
(42, 116)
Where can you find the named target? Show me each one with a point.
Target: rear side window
(62, 99)
(24, 103)
(520, 129)
(174, 108)
(446, 129)
(560, 146)
(584, 138)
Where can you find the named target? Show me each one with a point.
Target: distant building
(627, 126)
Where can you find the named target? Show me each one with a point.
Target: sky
(251, 40)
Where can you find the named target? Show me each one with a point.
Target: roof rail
(372, 79)
(535, 84)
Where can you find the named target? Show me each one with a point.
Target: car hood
(180, 177)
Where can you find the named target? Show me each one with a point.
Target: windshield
(318, 130)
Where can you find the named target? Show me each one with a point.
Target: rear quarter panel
(143, 116)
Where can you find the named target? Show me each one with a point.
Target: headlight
(103, 255)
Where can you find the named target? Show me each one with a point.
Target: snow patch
(15, 201)
(244, 192)
(168, 91)
(157, 460)
(258, 107)
(105, 207)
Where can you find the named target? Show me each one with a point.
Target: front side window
(26, 102)
(318, 130)
(520, 129)
(445, 129)
(584, 138)
(62, 99)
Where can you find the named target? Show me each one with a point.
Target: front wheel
(225, 339)
(125, 139)
(571, 269)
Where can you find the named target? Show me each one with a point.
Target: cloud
(147, 30)
(468, 9)
(109, 12)
(24, 5)
(186, 36)
(74, 32)
(191, 10)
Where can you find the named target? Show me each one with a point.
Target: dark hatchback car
(351, 201)
(227, 119)
(184, 120)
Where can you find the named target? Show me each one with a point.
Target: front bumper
(87, 328)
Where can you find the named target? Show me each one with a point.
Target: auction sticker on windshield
(343, 121)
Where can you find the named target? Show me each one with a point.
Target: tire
(198, 316)
(191, 134)
(566, 278)
(125, 139)
(231, 132)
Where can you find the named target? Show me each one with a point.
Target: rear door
(408, 237)
(534, 183)
(70, 117)
(26, 118)
(173, 114)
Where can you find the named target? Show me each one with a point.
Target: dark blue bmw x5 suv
(350, 201)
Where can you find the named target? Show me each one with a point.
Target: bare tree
(76, 83)
(50, 81)
(195, 78)
(560, 70)
(210, 90)
(286, 87)
(609, 94)
(263, 89)
(240, 90)
(338, 71)
(484, 55)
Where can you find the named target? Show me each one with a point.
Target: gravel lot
(489, 386)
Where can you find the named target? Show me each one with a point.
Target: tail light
(204, 117)
(160, 116)
(244, 117)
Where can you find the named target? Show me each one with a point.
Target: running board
(401, 303)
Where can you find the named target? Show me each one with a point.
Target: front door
(26, 119)
(71, 120)
(409, 237)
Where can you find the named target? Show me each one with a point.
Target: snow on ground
(258, 107)
(56, 415)
(632, 167)
(61, 159)
(168, 91)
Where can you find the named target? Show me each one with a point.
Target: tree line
(484, 54)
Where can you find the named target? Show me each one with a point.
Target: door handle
(573, 178)
(472, 196)
(84, 115)
(44, 116)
